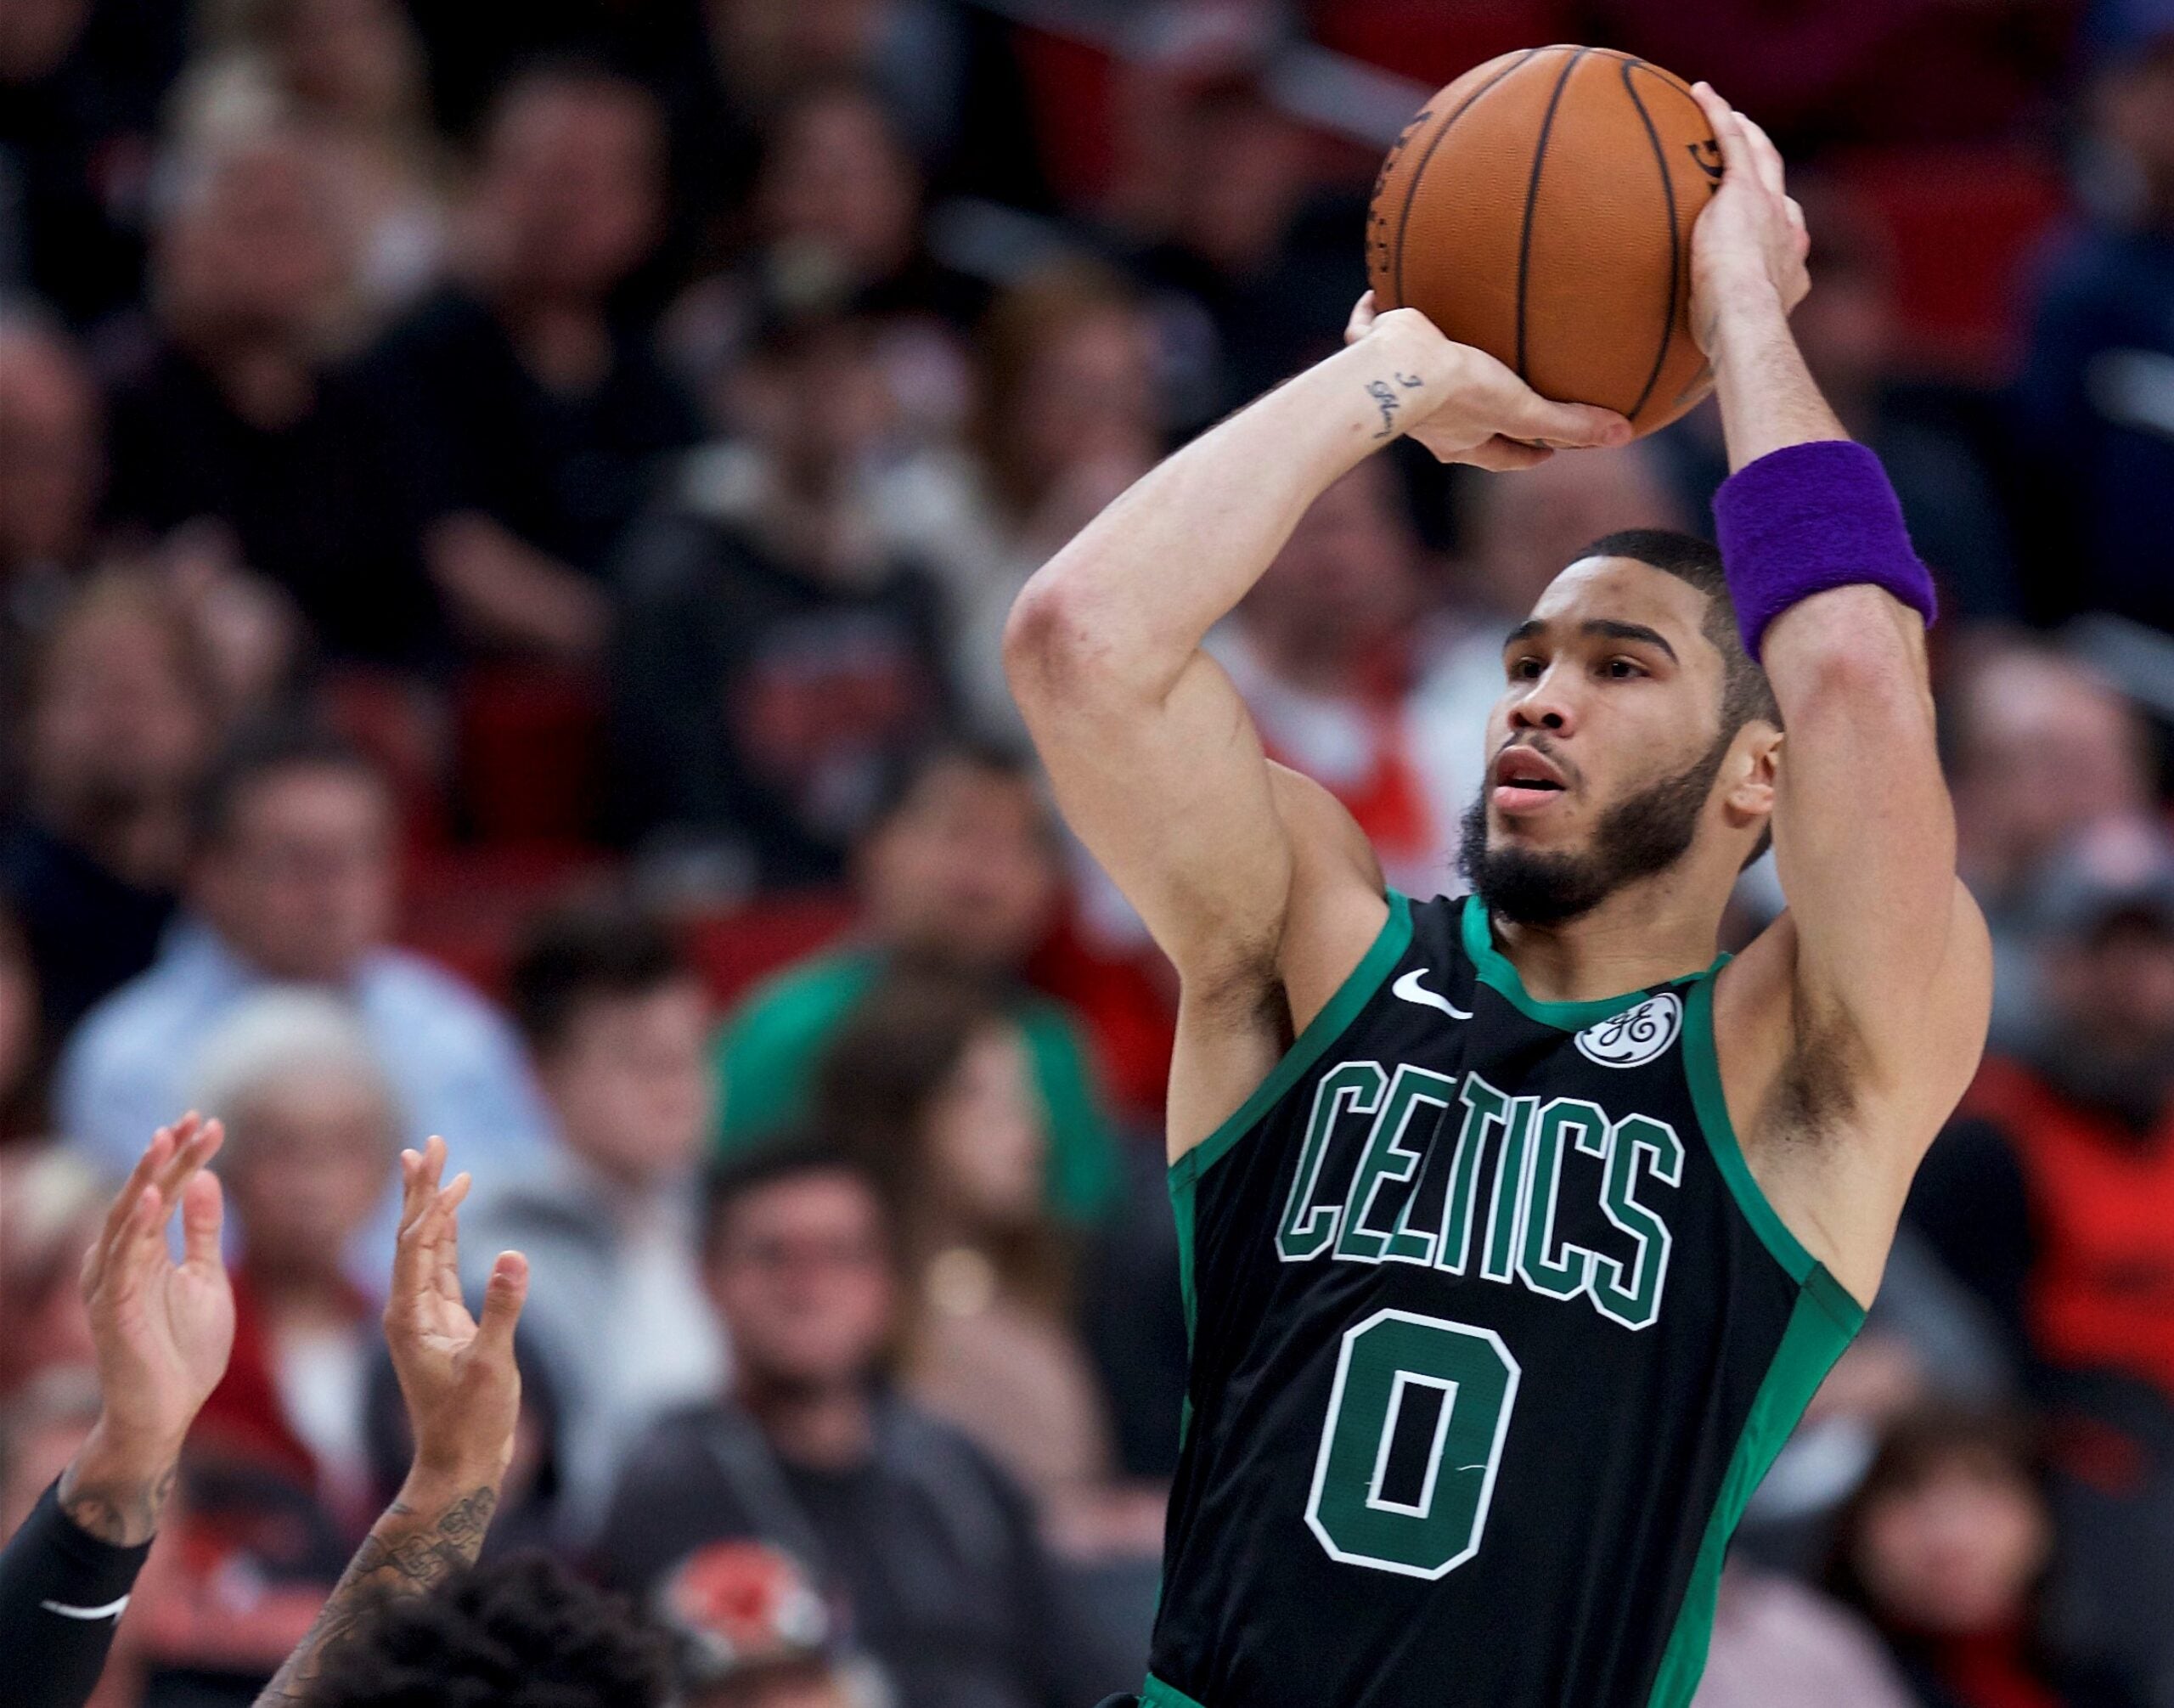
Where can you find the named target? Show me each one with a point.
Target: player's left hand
(1749, 245)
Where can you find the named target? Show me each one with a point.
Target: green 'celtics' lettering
(1388, 1160)
(1523, 1243)
(1308, 1228)
(1634, 1300)
(1586, 1126)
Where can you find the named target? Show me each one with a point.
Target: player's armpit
(1834, 1123)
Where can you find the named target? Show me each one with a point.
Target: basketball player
(1518, 1229)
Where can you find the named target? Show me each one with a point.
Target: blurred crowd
(506, 519)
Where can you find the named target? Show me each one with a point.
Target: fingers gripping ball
(1540, 208)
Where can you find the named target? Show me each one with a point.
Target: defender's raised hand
(163, 1331)
(457, 1374)
(1462, 404)
(1749, 247)
(462, 1392)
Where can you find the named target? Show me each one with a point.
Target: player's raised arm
(1155, 761)
(1890, 974)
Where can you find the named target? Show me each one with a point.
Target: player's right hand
(1749, 245)
(1465, 406)
(456, 1375)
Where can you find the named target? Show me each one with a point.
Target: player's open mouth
(1525, 781)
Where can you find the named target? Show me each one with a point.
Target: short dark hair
(803, 1152)
(584, 952)
(520, 1632)
(1745, 692)
(259, 752)
(901, 778)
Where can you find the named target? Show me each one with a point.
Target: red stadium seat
(1963, 221)
(736, 950)
(531, 750)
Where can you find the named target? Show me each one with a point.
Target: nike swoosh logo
(111, 1609)
(1412, 990)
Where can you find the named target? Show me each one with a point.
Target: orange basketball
(1540, 208)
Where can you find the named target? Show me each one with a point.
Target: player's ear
(1754, 767)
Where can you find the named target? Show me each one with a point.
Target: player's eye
(1525, 669)
(1622, 669)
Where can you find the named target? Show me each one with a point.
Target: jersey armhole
(1334, 1019)
(1702, 1068)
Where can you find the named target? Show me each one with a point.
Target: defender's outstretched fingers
(502, 1301)
(203, 1213)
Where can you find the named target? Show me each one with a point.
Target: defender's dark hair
(521, 1633)
(584, 952)
(261, 751)
(1745, 692)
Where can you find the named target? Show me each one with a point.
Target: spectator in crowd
(1777, 1644)
(2091, 398)
(751, 1631)
(232, 424)
(1069, 414)
(1849, 328)
(2039, 748)
(929, 1548)
(311, 1131)
(346, 77)
(2051, 1194)
(80, 84)
(528, 418)
(291, 879)
(1249, 268)
(836, 208)
(50, 1206)
(120, 719)
(617, 1024)
(1325, 651)
(1946, 1547)
(776, 655)
(930, 1083)
(959, 868)
(23, 1042)
(51, 467)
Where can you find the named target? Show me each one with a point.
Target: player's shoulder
(1338, 903)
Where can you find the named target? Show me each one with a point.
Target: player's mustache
(1539, 742)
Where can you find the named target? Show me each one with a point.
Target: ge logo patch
(1636, 1035)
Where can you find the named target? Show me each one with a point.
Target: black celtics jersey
(1493, 1336)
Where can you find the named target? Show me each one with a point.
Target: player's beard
(1636, 838)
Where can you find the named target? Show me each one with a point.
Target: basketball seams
(1532, 197)
(1675, 238)
(1419, 171)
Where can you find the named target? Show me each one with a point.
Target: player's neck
(1645, 934)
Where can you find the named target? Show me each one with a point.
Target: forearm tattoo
(1388, 401)
(123, 1513)
(407, 1554)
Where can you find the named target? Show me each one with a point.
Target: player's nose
(1543, 707)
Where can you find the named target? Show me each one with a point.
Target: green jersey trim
(1499, 975)
(1155, 1693)
(1702, 1068)
(1308, 1047)
(1809, 1347)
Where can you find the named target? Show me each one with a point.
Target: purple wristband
(1808, 517)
